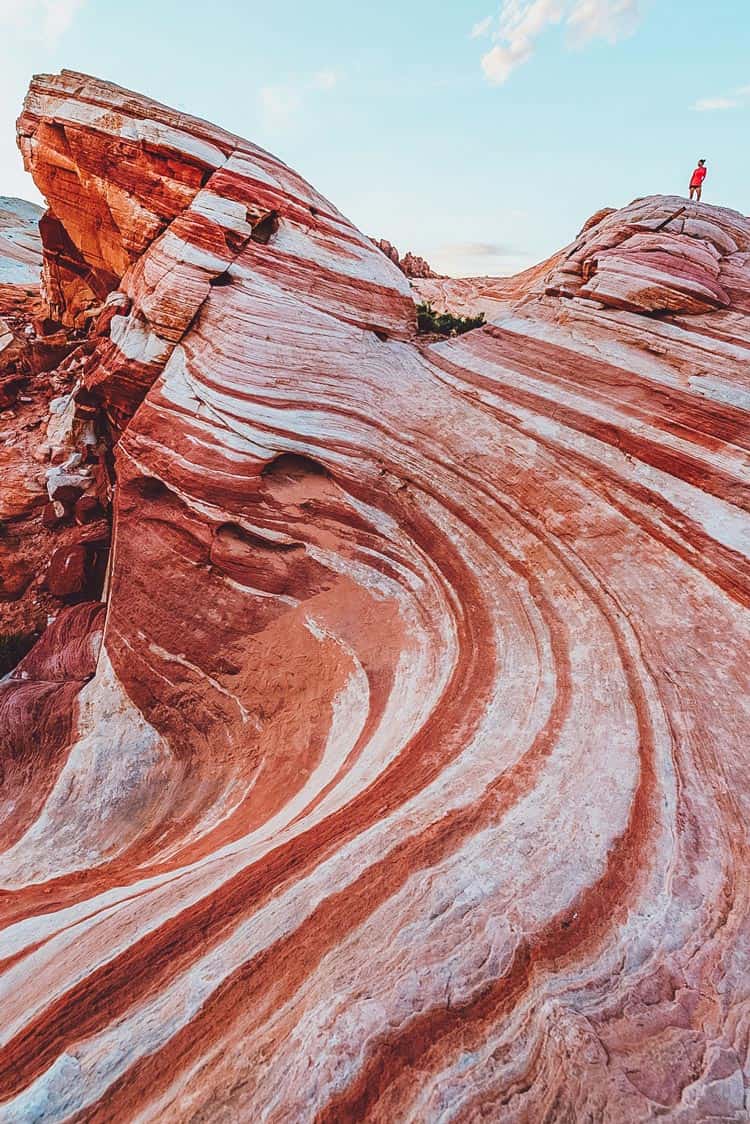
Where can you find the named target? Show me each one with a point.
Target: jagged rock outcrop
(411, 265)
(44, 468)
(412, 778)
(415, 266)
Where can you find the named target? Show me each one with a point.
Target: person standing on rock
(697, 178)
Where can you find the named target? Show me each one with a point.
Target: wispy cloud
(478, 258)
(520, 23)
(39, 20)
(610, 20)
(737, 99)
(706, 105)
(482, 28)
(479, 249)
(281, 104)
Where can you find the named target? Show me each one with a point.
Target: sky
(478, 134)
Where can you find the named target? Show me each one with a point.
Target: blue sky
(478, 134)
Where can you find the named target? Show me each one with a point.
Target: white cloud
(604, 19)
(737, 99)
(482, 28)
(705, 105)
(39, 20)
(521, 22)
(499, 63)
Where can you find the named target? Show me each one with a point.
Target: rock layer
(412, 780)
(20, 254)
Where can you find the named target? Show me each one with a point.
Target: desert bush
(445, 323)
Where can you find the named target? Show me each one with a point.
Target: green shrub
(13, 647)
(444, 323)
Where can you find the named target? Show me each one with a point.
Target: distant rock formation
(410, 264)
(403, 773)
(468, 296)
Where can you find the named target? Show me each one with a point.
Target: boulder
(15, 573)
(54, 513)
(21, 487)
(88, 510)
(69, 571)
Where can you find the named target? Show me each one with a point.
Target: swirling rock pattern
(412, 780)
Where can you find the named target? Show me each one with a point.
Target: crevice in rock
(240, 536)
(668, 220)
(295, 480)
(265, 228)
(294, 466)
(149, 488)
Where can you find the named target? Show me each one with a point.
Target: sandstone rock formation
(20, 275)
(20, 255)
(675, 258)
(410, 781)
(411, 265)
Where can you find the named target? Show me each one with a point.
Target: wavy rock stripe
(411, 782)
(20, 256)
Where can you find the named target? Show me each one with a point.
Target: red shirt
(698, 176)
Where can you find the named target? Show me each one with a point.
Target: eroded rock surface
(666, 258)
(48, 455)
(412, 780)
